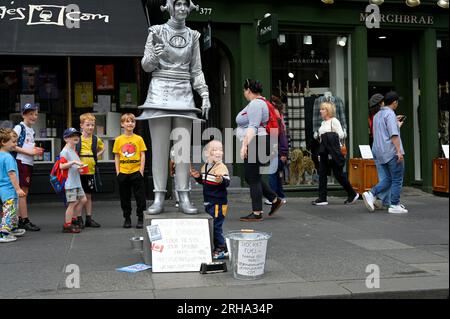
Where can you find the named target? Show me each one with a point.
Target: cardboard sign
(366, 152)
(445, 149)
(184, 246)
(252, 257)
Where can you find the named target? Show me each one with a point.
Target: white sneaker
(368, 201)
(397, 209)
(267, 202)
(18, 232)
(7, 238)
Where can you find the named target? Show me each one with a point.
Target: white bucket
(248, 250)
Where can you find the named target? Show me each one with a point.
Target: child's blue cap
(28, 107)
(71, 132)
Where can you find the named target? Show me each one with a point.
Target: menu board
(183, 246)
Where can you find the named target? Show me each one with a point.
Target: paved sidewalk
(319, 252)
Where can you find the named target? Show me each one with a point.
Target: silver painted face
(181, 10)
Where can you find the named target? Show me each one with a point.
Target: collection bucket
(137, 243)
(247, 251)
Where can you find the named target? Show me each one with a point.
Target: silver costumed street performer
(172, 55)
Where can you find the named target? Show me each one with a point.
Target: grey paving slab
(414, 256)
(437, 269)
(389, 285)
(130, 294)
(108, 281)
(103, 261)
(264, 291)
(184, 280)
(379, 244)
(274, 272)
(24, 278)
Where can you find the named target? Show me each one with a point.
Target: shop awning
(72, 27)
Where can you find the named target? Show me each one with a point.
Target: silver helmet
(170, 4)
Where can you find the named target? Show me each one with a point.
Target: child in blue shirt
(9, 187)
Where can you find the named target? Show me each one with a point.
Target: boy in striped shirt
(215, 179)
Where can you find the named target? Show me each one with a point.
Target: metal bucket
(137, 243)
(248, 250)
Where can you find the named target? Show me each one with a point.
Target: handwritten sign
(251, 257)
(186, 245)
(366, 152)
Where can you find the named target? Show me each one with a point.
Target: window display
(307, 70)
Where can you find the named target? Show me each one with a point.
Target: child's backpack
(273, 124)
(21, 139)
(58, 176)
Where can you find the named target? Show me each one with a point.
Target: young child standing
(9, 187)
(215, 179)
(26, 151)
(75, 196)
(129, 156)
(89, 149)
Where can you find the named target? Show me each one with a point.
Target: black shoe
(320, 202)
(127, 223)
(252, 218)
(351, 200)
(80, 222)
(27, 225)
(276, 206)
(91, 223)
(140, 224)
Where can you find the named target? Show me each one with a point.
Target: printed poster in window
(8, 79)
(30, 75)
(104, 77)
(48, 87)
(128, 95)
(84, 94)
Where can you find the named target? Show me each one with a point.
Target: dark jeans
(129, 183)
(276, 180)
(338, 172)
(218, 212)
(253, 177)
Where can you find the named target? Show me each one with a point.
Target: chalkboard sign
(184, 245)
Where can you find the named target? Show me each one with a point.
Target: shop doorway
(393, 66)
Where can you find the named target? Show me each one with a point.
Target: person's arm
(197, 77)
(117, 163)
(152, 52)
(338, 128)
(396, 141)
(13, 178)
(254, 113)
(142, 168)
(68, 165)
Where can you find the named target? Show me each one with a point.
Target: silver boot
(158, 204)
(185, 204)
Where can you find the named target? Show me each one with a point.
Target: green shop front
(304, 51)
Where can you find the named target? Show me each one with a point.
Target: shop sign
(401, 18)
(68, 16)
(310, 61)
(268, 29)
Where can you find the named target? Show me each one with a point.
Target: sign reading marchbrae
(401, 18)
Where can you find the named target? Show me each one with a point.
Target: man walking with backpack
(256, 123)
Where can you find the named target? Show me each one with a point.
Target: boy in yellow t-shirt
(129, 156)
(89, 149)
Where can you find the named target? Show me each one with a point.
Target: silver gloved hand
(206, 106)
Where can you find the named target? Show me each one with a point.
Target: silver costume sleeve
(197, 76)
(150, 61)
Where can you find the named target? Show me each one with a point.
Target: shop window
(443, 82)
(102, 85)
(306, 70)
